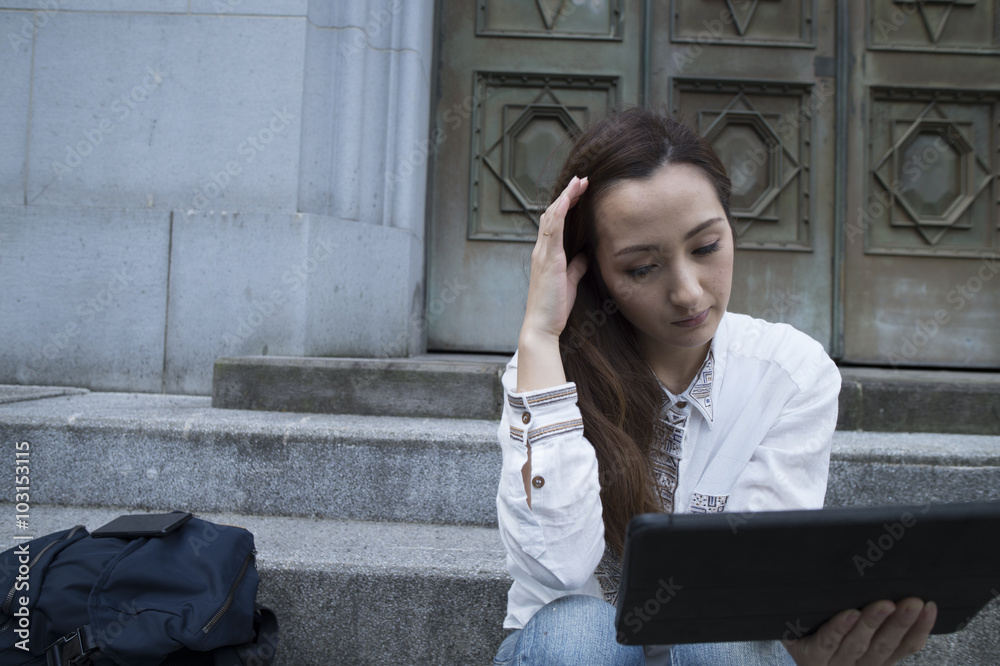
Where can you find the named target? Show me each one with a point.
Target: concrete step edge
(460, 386)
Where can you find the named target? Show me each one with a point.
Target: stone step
(387, 593)
(161, 451)
(468, 386)
(350, 592)
(436, 385)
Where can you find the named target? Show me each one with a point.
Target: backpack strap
(78, 648)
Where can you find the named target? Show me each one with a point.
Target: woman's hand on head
(552, 286)
(879, 635)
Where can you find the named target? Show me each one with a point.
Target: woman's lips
(691, 322)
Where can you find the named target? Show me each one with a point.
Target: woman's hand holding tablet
(880, 634)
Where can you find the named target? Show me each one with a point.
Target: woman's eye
(707, 249)
(640, 272)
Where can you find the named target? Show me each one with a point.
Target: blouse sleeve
(559, 540)
(790, 467)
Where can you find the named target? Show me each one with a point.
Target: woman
(672, 404)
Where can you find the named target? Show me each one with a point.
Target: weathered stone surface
(870, 399)
(16, 30)
(456, 386)
(161, 110)
(83, 297)
(920, 401)
(282, 284)
(17, 393)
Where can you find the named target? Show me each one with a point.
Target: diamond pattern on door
(762, 134)
(521, 132)
(930, 174)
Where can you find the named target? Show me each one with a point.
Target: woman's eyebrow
(688, 236)
(701, 227)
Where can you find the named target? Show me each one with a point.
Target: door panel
(755, 78)
(517, 78)
(921, 234)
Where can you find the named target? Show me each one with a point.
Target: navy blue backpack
(186, 596)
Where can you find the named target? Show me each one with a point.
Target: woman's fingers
(552, 220)
(914, 638)
(821, 646)
(552, 286)
(879, 635)
(858, 641)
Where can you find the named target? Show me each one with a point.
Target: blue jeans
(580, 630)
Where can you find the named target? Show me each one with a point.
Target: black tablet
(702, 578)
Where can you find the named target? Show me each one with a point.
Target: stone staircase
(375, 532)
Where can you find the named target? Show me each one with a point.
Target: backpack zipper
(232, 594)
(10, 595)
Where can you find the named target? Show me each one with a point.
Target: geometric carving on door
(931, 25)
(520, 130)
(560, 19)
(930, 174)
(763, 139)
(747, 22)
(935, 13)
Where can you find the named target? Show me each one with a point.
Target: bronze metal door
(861, 138)
(515, 77)
(921, 242)
(757, 80)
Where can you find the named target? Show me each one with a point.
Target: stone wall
(182, 180)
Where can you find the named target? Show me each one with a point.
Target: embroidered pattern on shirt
(665, 455)
(545, 432)
(609, 575)
(701, 392)
(708, 503)
(518, 402)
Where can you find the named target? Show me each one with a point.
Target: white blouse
(751, 433)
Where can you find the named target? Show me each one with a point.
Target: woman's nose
(685, 290)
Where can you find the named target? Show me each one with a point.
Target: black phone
(142, 525)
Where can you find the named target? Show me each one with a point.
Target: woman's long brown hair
(619, 397)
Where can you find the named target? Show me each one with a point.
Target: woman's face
(665, 251)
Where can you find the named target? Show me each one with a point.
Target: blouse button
(538, 482)
(681, 404)
(526, 417)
